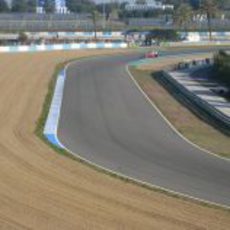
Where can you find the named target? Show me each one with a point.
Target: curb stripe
(50, 132)
(51, 47)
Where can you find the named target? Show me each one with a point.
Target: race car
(153, 54)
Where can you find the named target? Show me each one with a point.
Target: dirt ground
(40, 189)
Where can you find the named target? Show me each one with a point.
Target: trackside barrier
(197, 105)
(72, 46)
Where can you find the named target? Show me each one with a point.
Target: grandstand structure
(52, 22)
(44, 22)
(59, 5)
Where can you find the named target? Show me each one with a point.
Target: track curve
(106, 120)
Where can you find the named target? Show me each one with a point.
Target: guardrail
(52, 47)
(196, 104)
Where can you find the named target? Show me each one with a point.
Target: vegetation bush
(22, 38)
(222, 67)
(163, 35)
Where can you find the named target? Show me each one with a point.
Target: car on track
(152, 54)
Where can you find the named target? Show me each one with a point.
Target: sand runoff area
(41, 189)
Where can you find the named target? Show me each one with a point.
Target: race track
(105, 119)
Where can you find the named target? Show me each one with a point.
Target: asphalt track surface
(105, 119)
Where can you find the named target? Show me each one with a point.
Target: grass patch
(39, 132)
(186, 122)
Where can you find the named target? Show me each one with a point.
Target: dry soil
(40, 189)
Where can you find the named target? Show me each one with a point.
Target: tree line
(18, 6)
(186, 13)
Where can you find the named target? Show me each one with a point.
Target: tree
(141, 2)
(222, 68)
(22, 38)
(194, 3)
(3, 6)
(19, 6)
(224, 4)
(162, 35)
(79, 6)
(110, 10)
(32, 6)
(72, 5)
(209, 8)
(183, 15)
(49, 6)
(95, 16)
(105, 8)
(114, 14)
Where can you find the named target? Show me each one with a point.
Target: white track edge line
(169, 123)
(140, 182)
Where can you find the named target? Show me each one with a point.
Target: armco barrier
(73, 46)
(196, 104)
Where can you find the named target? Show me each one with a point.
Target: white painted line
(168, 122)
(140, 182)
(136, 180)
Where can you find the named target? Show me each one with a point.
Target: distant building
(40, 5)
(60, 7)
(148, 5)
